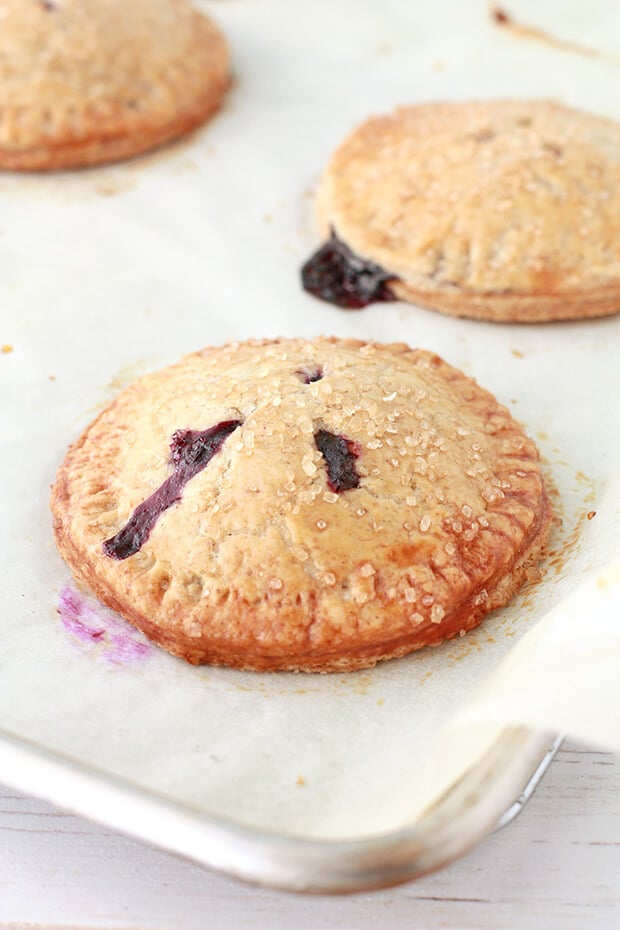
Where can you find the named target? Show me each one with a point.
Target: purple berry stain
(190, 451)
(337, 275)
(340, 455)
(120, 644)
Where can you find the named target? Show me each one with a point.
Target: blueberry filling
(340, 455)
(336, 274)
(190, 451)
(310, 375)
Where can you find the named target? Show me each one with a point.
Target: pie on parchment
(500, 210)
(305, 505)
(91, 81)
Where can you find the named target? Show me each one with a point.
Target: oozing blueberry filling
(310, 375)
(340, 455)
(336, 274)
(190, 451)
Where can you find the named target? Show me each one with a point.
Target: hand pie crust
(502, 210)
(91, 81)
(363, 501)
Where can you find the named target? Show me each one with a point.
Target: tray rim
(488, 795)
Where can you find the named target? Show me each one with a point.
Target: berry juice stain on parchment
(100, 630)
(504, 19)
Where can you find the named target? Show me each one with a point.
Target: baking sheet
(110, 273)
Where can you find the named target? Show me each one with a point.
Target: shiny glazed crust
(500, 210)
(91, 81)
(260, 565)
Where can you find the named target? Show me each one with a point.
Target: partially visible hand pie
(501, 210)
(313, 505)
(90, 81)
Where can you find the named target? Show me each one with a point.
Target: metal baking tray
(471, 809)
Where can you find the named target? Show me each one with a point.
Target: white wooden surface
(557, 866)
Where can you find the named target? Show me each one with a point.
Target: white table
(557, 866)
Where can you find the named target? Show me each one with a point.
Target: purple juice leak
(337, 275)
(340, 455)
(190, 452)
(120, 643)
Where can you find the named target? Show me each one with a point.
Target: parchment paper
(109, 273)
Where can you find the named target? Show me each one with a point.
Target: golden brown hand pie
(314, 505)
(502, 210)
(89, 81)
